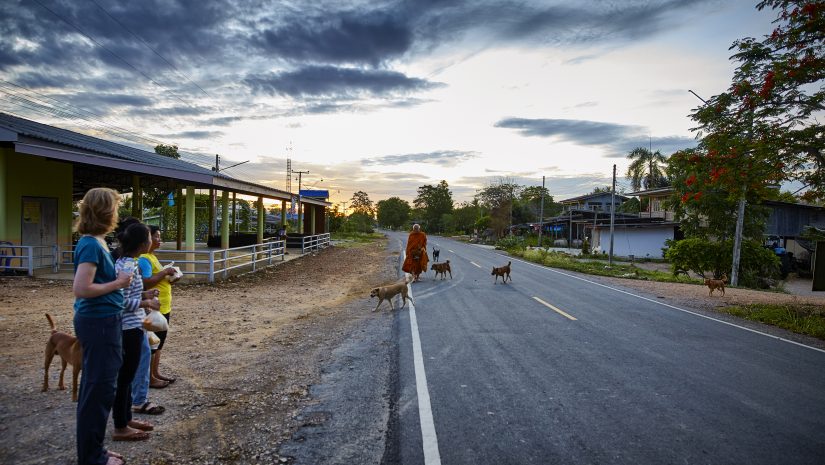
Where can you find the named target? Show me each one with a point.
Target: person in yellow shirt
(154, 277)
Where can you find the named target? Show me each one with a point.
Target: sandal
(112, 460)
(141, 425)
(149, 409)
(159, 386)
(136, 435)
(114, 454)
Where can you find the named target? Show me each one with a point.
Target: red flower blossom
(685, 197)
(692, 179)
(697, 196)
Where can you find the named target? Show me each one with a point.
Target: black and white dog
(436, 252)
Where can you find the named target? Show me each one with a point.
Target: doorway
(38, 226)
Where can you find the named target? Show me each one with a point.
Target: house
(599, 202)
(45, 170)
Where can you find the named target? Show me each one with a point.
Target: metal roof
(40, 139)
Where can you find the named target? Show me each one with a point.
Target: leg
(140, 385)
(60, 384)
(102, 357)
(48, 362)
(379, 304)
(75, 376)
(122, 408)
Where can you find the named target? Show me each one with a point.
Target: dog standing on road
(714, 284)
(436, 253)
(389, 291)
(504, 272)
(443, 269)
(70, 351)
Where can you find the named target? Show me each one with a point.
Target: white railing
(318, 241)
(28, 258)
(204, 263)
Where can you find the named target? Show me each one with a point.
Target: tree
(170, 151)
(434, 201)
(393, 212)
(646, 169)
(764, 128)
(465, 217)
(499, 197)
(361, 203)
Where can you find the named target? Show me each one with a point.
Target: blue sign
(171, 199)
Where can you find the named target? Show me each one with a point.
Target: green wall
(29, 176)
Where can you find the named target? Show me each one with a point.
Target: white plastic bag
(154, 340)
(154, 321)
(178, 273)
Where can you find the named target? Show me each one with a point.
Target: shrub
(510, 242)
(712, 259)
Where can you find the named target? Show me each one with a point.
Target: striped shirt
(133, 315)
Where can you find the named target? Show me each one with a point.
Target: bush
(713, 259)
(358, 222)
(510, 242)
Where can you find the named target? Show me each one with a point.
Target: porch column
(300, 216)
(234, 212)
(211, 231)
(224, 219)
(312, 219)
(179, 207)
(261, 220)
(283, 214)
(137, 198)
(190, 226)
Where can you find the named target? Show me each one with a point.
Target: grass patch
(802, 319)
(618, 270)
(355, 239)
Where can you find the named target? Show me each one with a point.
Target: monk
(416, 261)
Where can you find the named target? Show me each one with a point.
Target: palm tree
(646, 169)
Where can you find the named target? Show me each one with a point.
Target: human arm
(151, 280)
(84, 286)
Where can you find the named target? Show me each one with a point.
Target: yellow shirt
(164, 287)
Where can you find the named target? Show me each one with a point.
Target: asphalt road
(554, 368)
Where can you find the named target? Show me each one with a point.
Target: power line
(112, 53)
(150, 48)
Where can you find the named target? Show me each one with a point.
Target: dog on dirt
(389, 292)
(714, 284)
(442, 269)
(436, 253)
(70, 351)
(503, 271)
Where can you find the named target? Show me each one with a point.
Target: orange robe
(416, 247)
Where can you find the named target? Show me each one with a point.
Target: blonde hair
(98, 211)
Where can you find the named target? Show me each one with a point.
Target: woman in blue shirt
(97, 323)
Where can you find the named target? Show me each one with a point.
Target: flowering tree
(766, 128)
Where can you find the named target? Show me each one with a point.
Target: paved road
(553, 368)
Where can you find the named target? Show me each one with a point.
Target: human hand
(123, 279)
(151, 304)
(170, 271)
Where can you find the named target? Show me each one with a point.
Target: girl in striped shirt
(134, 240)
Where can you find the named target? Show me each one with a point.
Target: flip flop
(136, 435)
(149, 409)
(141, 425)
(160, 386)
(114, 454)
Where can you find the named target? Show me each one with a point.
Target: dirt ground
(244, 352)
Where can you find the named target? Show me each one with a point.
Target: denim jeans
(140, 385)
(101, 339)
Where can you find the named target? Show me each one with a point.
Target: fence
(28, 258)
(318, 241)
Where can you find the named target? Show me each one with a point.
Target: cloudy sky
(379, 96)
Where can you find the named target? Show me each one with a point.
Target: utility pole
(541, 211)
(300, 209)
(612, 216)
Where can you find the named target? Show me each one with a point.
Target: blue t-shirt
(89, 250)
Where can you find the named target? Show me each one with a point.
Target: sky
(379, 96)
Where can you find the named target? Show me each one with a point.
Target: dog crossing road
(558, 368)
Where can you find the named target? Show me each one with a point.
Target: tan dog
(714, 284)
(443, 269)
(504, 272)
(389, 291)
(70, 351)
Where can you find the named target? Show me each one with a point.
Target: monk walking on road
(416, 261)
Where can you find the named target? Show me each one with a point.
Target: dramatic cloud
(191, 135)
(440, 158)
(618, 138)
(329, 81)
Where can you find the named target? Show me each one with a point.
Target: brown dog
(388, 292)
(70, 351)
(443, 269)
(503, 271)
(714, 284)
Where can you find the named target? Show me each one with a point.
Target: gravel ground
(246, 353)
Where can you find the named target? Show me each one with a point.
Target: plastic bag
(178, 273)
(154, 340)
(154, 321)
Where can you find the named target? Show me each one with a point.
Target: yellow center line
(555, 309)
(476, 264)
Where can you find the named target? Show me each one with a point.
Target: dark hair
(153, 229)
(132, 239)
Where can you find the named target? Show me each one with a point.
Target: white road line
(425, 411)
(555, 309)
(670, 306)
(476, 264)
(448, 250)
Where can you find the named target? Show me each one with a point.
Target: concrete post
(312, 219)
(190, 226)
(261, 220)
(224, 219)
